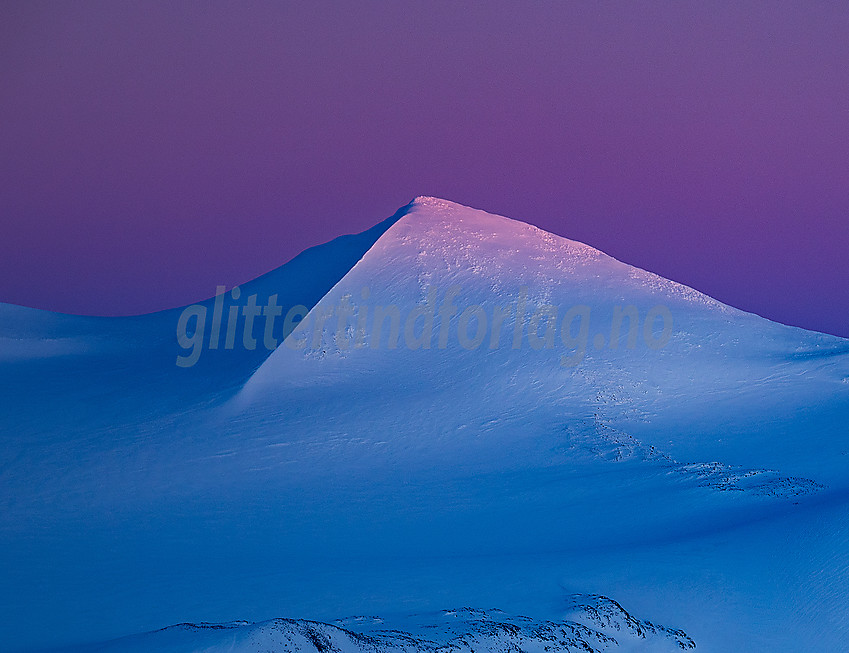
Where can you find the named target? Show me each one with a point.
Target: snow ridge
(595, 624)
(613, 445)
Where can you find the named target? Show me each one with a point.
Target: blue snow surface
(518, 491)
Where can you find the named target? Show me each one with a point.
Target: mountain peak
(434, 232)
(427, 201)
(425, 205)
(440, 234)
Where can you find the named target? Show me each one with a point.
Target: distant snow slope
(703, 483)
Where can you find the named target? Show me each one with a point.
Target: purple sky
(151, 151)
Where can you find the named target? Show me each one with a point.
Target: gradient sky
(150, 151)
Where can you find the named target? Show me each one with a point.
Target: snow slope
(702, 483)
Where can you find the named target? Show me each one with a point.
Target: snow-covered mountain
(473, 412)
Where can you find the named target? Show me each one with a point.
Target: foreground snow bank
(593, 623)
